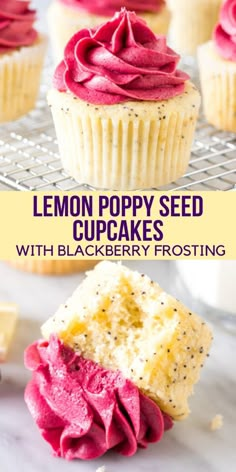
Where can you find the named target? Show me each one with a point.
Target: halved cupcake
(22, 51)
(66, 17)
(124, 114)
(116, 366)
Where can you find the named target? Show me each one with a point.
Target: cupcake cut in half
(217, 63)
(66, 17)
(116, 366)
(124, 114)
(22, 51)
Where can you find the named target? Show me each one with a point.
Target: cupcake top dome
(109, 7)
(118, 61)
(225, 31)
(16, 25)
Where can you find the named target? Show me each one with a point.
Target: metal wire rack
(29, 157)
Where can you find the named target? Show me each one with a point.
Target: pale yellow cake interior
(123, 320)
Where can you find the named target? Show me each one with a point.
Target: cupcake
(66, 17)
(192, 23)
(52, 267)
(217, 63)
(116, 365)
(124, 115)
(22, 51)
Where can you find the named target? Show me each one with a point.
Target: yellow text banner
(127, 225)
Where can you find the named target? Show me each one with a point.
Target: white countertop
(190, 446)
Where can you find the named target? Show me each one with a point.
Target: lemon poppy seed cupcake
(66, 17)
(192, 23)
(124, 115)
(217, 63)
(22, 51)
(52, 267)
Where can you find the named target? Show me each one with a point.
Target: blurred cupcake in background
(66, 17)
(217, 62)
(192, 23)
(124, 114)
(22, 51)
(54, 266)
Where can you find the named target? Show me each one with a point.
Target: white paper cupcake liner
(134, 145)
(218, 82)
(20, 73)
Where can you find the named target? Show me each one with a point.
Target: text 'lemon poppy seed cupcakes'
(52, 267)
(217, 63)
(124, 115)
(66, 17)
(116, 365)
(22, 51)
(192, 23)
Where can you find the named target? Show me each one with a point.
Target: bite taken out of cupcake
(66, 17)
(124, 114)
(217, 63)
(22, 51)
(115, 367)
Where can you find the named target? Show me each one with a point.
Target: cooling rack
(29, 157)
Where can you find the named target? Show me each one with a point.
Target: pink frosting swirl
(83, 410)
(225, 31)
(109, 7)
(118, 61)
(16, 24)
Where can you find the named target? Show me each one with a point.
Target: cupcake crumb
(216, 423)
(101, 469)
